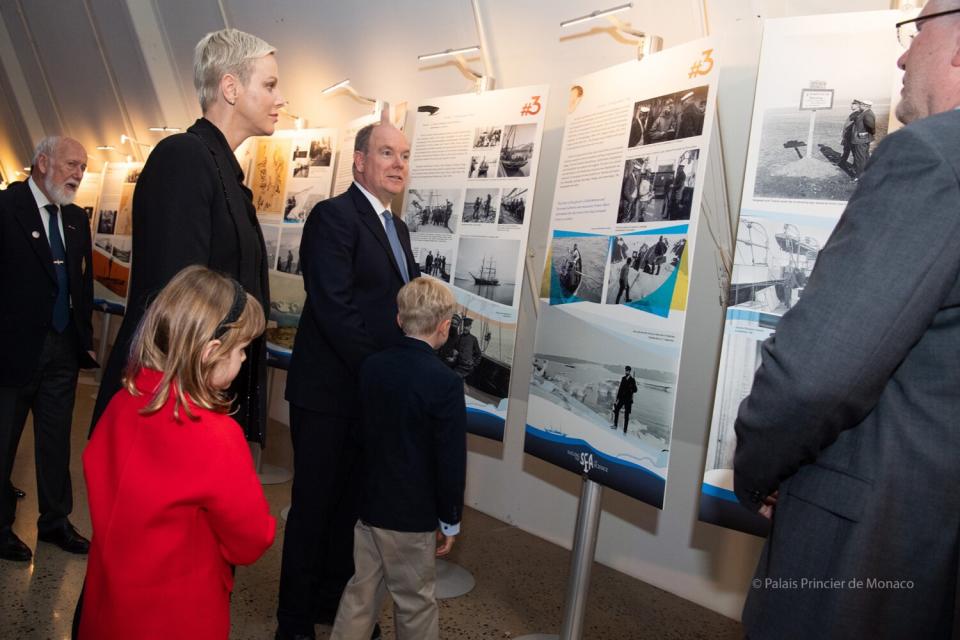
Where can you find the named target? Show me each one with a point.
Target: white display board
(633, 169)
(796, 186)
(473, 170)
(112, 235)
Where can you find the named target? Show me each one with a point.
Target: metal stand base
(270, 474)
(453, 580)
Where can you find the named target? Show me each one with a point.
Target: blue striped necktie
(61, 306)
(394, 239)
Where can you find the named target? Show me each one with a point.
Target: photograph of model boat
(774, 258)
(516, 151)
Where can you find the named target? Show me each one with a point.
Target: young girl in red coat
(174, 498)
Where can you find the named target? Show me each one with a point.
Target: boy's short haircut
(422, 304)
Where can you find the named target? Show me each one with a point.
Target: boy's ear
(399, 324)
(208, 350)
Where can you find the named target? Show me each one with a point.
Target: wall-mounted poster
(613, 297)
(473, 169)
(112, 236)
(815, 123)
(88, 194)
(288, 173)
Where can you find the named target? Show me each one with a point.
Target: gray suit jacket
(854, 413)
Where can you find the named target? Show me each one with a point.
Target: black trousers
(626, 406)
(317, 557)
(49, 394)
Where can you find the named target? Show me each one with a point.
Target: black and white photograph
(434, 260)
(479, 349)
(516, 151)
(271, 239)
(658, 187)
(308, 153)
(641, 263)
(576, 267)
(288, 255)
(432, 210)
(302, 197)
(483, 164)
(673, 116)
(513, 205)
(487, 267)
(807, 154)
(486, 137)
(480, 206)
(107, 221)
(775, 255)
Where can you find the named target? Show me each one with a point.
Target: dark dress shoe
(19, 494)
(12, 548)
(67, 538)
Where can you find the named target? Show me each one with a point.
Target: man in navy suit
(46, 334)
(355, 256)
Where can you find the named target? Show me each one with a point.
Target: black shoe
(283, 635)
(67, 538)
(376, 632)
(19, 494)
(12, 548)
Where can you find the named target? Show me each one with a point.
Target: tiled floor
(520, 579)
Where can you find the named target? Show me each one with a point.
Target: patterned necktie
(61, 306)
(395, 245)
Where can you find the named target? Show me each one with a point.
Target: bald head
(57, 168)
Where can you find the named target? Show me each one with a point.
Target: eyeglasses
(908, 29)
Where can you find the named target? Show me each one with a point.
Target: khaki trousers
(398, 562)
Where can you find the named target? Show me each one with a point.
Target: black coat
(414, 439)
(190, 207)
(28, 283)
(352, 280)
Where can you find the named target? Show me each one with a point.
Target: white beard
(59, 194)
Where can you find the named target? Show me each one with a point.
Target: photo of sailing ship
(487, 267)
(516, 151)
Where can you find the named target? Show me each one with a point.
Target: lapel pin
(35, 234)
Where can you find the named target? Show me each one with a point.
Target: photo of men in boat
(487, 267)
(513, 206)
(487, 137)
(432, 210)
(479, 349)
(481, 206)
(658, 187)
(576, 267)
(516, 151)
(642, 263)
(673, 116)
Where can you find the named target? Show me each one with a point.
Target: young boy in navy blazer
(415, 450)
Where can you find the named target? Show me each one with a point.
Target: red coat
(173, 505)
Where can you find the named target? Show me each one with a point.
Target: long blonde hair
(185, 316)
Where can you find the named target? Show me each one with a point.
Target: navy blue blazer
(351, 279)
(28, 283)
(414, 439)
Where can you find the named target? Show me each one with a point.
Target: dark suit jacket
(190, 207)
(414, 439)
(28, 283)
(352, 280)
(854, 410)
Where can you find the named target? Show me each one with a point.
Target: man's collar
(38, 195)
(374, 200)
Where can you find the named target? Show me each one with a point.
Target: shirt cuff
(450, 529)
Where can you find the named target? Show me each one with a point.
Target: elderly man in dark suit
(355, 255)
(849, 438)
(46, 302)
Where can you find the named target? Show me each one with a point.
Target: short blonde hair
(185, 316)
(422, 304)
(221, 52)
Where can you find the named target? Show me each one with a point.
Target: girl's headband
(239, 303)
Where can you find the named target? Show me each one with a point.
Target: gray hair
(46, 147)
(228, 51)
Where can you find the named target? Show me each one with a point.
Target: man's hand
(444, 543)
(769, 503)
